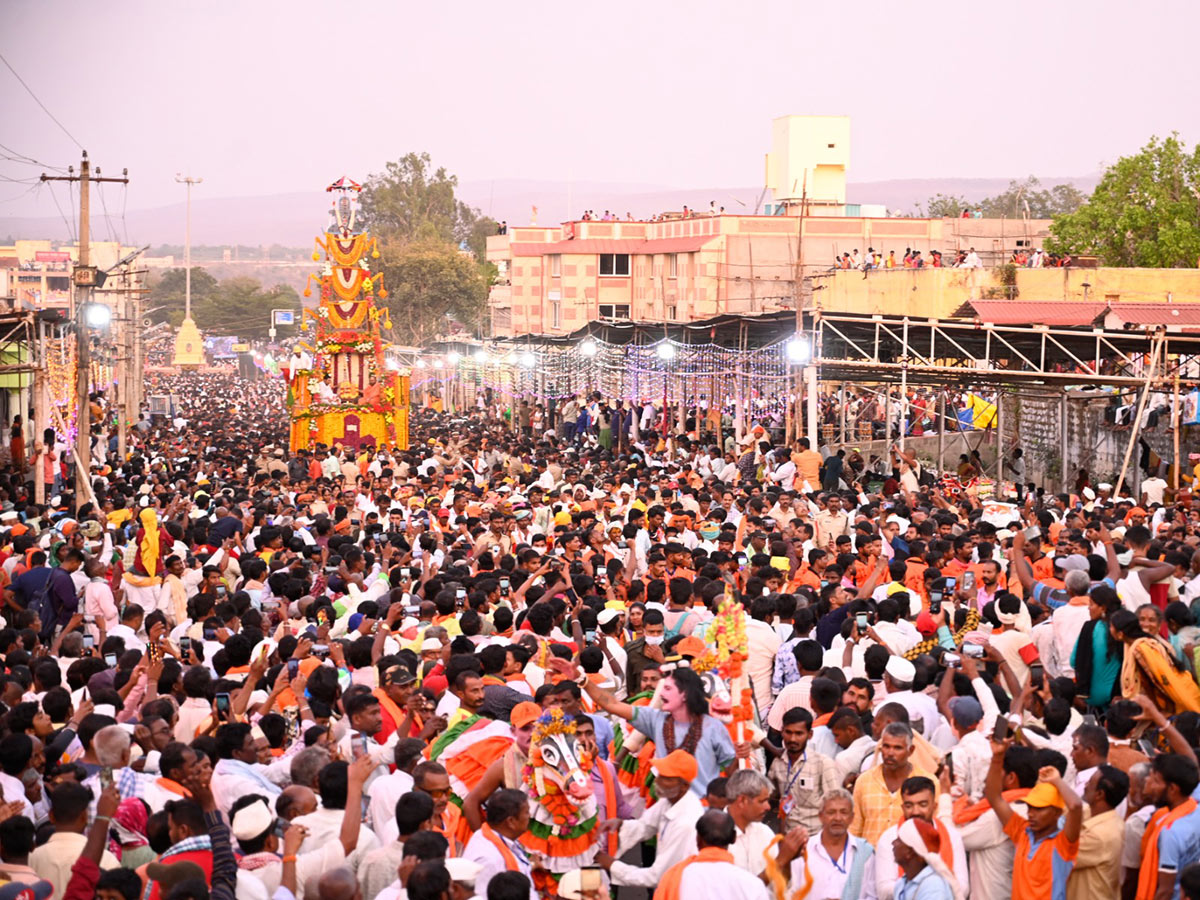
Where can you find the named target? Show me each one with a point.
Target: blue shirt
(928, 885)
(29, 584)
(1179, 846)
(714, 750)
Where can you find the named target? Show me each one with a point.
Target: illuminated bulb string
(630, 372)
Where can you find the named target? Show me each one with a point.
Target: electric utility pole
(85, 277)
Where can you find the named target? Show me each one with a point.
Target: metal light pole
(189, 345)
(187, 244)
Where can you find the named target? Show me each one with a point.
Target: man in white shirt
(341, 790)
(17, 750)
(834, 856)
(672, 820)
(982, 834)
(387, 789)
(972, 754)
(763, 643)
(127, 628)
(496, 846)
(238, 772)
(254, 827)
(706, 877)
(898, 678)
(917, 802)
(616, 661)
(1153, 489)
(748, 796)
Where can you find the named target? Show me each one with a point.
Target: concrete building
(553, 280)
(809, 156)
(39, 271)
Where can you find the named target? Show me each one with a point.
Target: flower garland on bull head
(563, 812)
(731, 650)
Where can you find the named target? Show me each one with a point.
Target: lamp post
(189, 349)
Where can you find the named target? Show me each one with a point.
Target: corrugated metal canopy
(1060, 313)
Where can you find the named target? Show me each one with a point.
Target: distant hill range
(293, 219)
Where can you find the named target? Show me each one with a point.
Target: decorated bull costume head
(557, 777)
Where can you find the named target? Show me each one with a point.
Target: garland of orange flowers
(732, 649)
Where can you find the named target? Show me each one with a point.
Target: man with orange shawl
(143, 579)
(711, 871)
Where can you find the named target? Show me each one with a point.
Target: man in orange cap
(506, 770)
(1045, 853)
(672, 820)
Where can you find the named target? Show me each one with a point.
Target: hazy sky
(265, 97)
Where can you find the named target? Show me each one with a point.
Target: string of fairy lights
(665, 370)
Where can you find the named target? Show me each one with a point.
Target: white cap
(901, 669)
(607, 615)
(464, 870)
(252, 821)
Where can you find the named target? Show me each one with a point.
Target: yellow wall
(939, 292)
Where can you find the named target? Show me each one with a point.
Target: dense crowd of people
(514, 661)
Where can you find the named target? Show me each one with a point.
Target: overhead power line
(39, 102)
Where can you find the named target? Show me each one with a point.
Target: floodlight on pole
(799, 351)
(97, 315)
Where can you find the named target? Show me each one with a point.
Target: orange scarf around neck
(389, 706)
(1147, 885)
(510, 859)
(965, 811)
(610, 803)
(668, 888)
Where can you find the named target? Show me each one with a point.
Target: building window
(614, 310)
(614, 263)
(672, 265)
(555, 265)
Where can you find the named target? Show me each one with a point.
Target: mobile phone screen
(1000, 732)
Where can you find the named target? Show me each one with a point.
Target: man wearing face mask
(709, 531)
(646, 648)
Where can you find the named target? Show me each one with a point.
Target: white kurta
(720, 879)
(675, 828)
(480, 850)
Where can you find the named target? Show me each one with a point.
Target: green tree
(411, 196)
(1144, 212)
(430, 283)
(945, 206)
(167, 294)
(242, 306)
(1029, 198)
